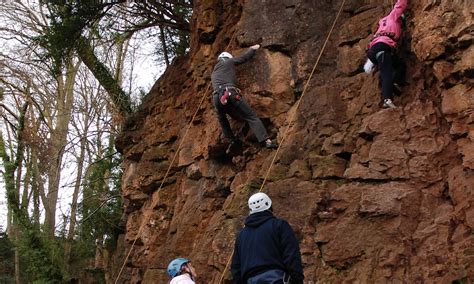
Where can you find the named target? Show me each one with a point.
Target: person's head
(180, 266)
(224, 55)
(259, 202)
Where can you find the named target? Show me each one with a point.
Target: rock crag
(374, 195)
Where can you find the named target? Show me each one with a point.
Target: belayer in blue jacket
(266, 249)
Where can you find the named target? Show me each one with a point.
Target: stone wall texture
(374, 195)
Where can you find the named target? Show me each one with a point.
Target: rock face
(374, 196)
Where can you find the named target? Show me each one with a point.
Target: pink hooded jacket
(390, 27)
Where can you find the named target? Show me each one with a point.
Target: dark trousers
(238, 109)
(385, 64)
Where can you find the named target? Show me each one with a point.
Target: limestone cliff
(374, 196)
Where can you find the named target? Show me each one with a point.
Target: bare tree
(53, 115)
(12, 163)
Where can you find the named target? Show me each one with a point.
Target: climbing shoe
(269, 144)
(387, 103)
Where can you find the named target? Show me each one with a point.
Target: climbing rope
(292, 118)
(290, 123)
(153, 204)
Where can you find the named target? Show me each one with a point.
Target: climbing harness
(290, 123)
(225, 96)
(230, 92)
(391, 35)
(153, 204)
(387, 34)
(379, 54)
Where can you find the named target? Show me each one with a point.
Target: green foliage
(41, 258)
(177, 40)
(101, 207)
(7, 270)
(68, 19)
(180, 37)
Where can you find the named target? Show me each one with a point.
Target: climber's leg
(222, 117)
(384, 60)
(245, 112)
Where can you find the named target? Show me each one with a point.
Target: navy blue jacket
(265, 243)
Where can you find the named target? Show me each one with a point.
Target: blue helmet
(175, 266)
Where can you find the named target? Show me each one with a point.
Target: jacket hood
(257, 219)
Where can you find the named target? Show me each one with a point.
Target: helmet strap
(187, 270)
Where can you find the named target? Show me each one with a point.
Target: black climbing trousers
(238, 109)
(381, 55)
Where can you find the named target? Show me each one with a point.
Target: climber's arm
(399, 8)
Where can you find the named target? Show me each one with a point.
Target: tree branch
(102, 74)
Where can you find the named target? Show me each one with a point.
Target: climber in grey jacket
(228, 100)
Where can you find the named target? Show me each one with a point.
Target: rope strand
(290, 123)
(167, 172)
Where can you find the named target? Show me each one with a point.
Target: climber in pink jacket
(381, 49)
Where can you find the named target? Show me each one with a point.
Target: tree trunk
(36, 188)
(120, 61)
(164, 46)
(120, 99)
(75, 196)
(19, 168)
(58, 141)
(12, 165)
(25, 196)
(9, 218)
(17, 261)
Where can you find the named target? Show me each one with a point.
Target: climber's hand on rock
(255, 47)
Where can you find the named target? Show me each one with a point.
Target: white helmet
(259, 202)
(224, 55)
